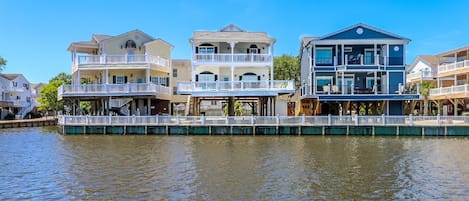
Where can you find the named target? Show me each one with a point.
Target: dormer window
(130, 44)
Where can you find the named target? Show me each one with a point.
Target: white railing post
(399, 89)
(177, 119)
(356, 119)
(352, 88)
(329, 89)
(329, 119)
(411, 120)
(202, 119)
(418, 88)
(110, 120)
(252, 119)
(303, 119)
(438, 120)
(226, 120)
(277, 119)
(383, 119)
(157, 119)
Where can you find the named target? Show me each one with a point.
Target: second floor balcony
(106, 61)
(422, 75)
(126, 90)
(237, 88)
(453, 68)
(233, 59)
(457, 91)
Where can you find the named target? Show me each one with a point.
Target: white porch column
(193, 61)
(148, 74)
(232, 45)
(375, 52)
(343, 83)
(313, 83)
(386, 58)
(271, 53)
(343, 55)
(375, 84)
(77, 82)
(314, 55)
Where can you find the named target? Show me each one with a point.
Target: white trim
(361, 42)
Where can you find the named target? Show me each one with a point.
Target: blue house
(357, 70)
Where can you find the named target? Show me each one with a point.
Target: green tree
(238, 108)
(48, 93)
(3, 62)
(287, 67)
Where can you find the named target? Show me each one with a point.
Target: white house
(16, 95)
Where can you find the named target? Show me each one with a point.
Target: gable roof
(231, 33)
(356, 26)
(429, 60)
(136, 30)
(93, 44)
(10, 76)
(100, 37)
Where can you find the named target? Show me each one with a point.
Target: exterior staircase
(189, 106)
(118, 105)
(24, 111)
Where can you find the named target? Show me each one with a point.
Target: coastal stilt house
(127, 74)
(232, 64)
(451, 97)
(16, 96)
(181, 73)
(356, 70)
(423, 72)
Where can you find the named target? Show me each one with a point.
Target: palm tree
(238, 108)
(425, 87)
(3, 62)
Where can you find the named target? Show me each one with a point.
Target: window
(175, 91)
(130, 44)
(369, 58)
(323, 56)
(175, 72)
(253, 49)
(15, 84)
(18, 98)
(322, 82)
(120, 79)
(206, 50)
(28, 99)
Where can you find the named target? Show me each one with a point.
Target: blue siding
(367, 34)
(396, 57)
(394, 79)
(395, 108)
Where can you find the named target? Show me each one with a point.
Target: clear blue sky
(35, 34)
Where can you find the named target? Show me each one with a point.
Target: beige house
(181, 73)
(127, 74)
(232, 64)
(451, 97)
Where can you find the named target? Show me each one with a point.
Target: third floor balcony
(84, 62)
(227, 59)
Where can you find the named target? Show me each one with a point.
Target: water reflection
(40, 164)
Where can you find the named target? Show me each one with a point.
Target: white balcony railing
(453, 66)
(276, 85)
(329, 120)
(423, 75)
(112, 89)
(251, 59)
(458, 89)
(119, 59)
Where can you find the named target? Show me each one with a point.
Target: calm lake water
(38, 163)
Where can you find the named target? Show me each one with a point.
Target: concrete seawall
(50, 121)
